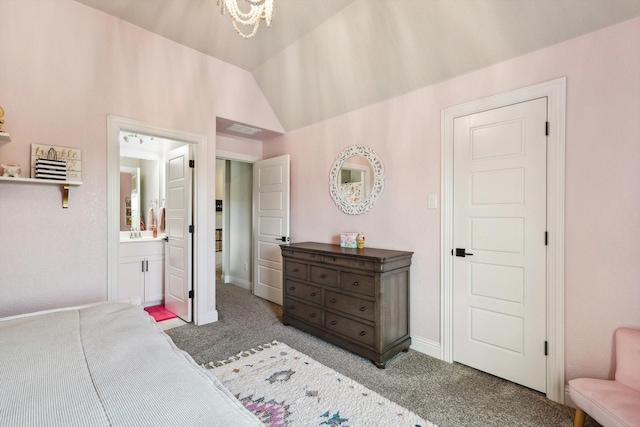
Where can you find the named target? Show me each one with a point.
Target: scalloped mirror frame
(378, 180)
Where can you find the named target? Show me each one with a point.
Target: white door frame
(555, 91)
(114, 126)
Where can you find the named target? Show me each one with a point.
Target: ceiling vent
(243, 129)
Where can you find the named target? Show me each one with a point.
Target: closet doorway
(234, 222)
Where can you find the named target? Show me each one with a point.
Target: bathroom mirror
(142, 177)
(356, 180)
(129, 198)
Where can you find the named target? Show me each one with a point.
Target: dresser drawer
(325, 276)
(350, 305)
(302, 255)
(358, 264)
(303, 311)
(350, 328)
(302, 291)
(297, 270)
(358, 283)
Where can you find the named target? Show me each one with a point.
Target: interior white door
(499, 269)
(178, 218)
(271, 225)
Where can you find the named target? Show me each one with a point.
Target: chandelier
(260, 9)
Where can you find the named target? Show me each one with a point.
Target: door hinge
(192, 163)
(191, 229)
(546, 238)
(191, 294)
(546, 348)
(546, 128)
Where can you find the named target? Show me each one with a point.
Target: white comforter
(105, 365)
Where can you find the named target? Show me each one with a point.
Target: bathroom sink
(146, 236)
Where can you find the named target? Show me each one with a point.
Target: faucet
(135, 233)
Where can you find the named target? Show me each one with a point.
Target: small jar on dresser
(357, 299)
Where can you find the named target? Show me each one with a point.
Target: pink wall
(63, 68)
(602, 183)
(249, 147)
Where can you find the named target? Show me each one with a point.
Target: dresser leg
(380, 365)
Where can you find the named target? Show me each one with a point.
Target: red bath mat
(160, 313)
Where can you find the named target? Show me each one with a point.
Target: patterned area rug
(284, 387)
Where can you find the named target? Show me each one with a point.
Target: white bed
(105, 365)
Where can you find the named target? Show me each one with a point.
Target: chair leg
(579, 420)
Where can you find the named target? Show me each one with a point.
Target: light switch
(432, 201)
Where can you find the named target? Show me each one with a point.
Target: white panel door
(271, 225)
(499, 272)
(178, 218)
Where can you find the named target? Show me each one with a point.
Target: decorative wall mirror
(356, 180)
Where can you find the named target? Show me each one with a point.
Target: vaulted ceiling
(323, 58)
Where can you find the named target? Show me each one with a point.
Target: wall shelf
(64, 184)
(4, 136)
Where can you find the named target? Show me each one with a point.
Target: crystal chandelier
(260, 9)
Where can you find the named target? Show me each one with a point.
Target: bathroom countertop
(141, 239)
(147, 236)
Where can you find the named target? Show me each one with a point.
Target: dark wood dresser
(355, 298)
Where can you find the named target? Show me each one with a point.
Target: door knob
(462, 252)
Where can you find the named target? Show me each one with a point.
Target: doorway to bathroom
(171, 182)
(156, 218)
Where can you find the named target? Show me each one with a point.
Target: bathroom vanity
(141, 269)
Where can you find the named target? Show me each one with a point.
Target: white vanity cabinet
(141, 271)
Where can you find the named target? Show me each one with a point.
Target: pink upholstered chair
(613, 402)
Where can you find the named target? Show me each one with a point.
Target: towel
(161, 220)
(151, 218)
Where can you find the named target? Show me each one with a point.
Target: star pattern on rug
(334, 420)
(280, 376)
(271, 413)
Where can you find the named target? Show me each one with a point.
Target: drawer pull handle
(291, 307)
(356, 283)
(313, 294)
(292, 288)
(313, 256)
(312, 315)
(296, 270)
(333, 322)
(363, 333)
(333, 300)
(361, 262)
(323, 276)
(363, 308)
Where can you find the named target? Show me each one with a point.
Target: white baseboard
(209, 317)
(567, 398)
(244, 284)
(426, 346)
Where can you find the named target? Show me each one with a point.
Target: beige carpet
(446, 394)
